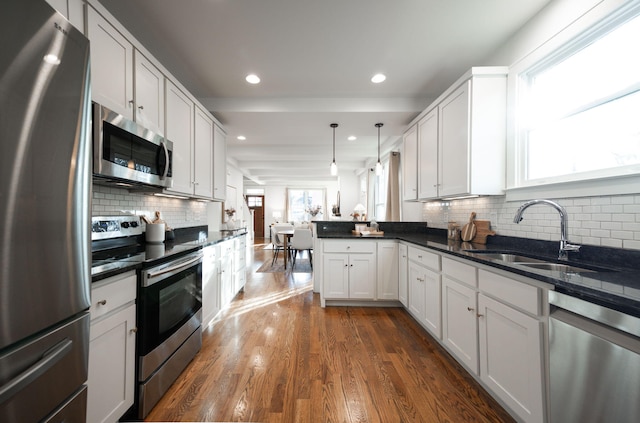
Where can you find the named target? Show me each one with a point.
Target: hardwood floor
(276, 356)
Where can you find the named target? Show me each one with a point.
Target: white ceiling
(315, 59)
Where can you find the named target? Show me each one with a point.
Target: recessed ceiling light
(352, 138)
(253, 78)
(378, 78)
(242, 137)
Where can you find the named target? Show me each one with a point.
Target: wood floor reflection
(276, 356)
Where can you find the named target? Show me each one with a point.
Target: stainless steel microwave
(127, 154)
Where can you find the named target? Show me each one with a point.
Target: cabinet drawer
(111, 293)
(349, 247)
(517, 294)
(425, 258)
(459, 271)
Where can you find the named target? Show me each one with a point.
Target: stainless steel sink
(508, 257)
(560, 267)
(514, 258)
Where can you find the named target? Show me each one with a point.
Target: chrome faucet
(565, 245)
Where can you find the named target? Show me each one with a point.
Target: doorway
(256, 203)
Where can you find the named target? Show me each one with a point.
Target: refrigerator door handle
(48, 360)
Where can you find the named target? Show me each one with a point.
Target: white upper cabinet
(428, 155)
(179, 129)
(409, 164)
(203, 158)
(149, 98)
(111, 65)
(70, 9)
(122, 79)
(219, 164)
(461, 139)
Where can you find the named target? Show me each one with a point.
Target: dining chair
(302, 239)
(278, 240)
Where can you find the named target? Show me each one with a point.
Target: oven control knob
(125, 225)
(134, 224)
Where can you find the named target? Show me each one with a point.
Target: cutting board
(483, 230)
(469, 230)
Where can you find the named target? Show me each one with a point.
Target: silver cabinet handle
(141, 107)
(102, 302)
(48, 360)
(134, 330)
(470, 309)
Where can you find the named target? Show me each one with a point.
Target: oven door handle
(176, 268)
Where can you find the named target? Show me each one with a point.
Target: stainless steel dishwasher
(594, 362)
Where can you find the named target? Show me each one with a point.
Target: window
(301, 203)
(579, 109)
(380, 193)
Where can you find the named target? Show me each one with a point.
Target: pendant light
(378, 165)
(334, 166)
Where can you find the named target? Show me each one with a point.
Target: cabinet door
(149, 94)
(387, 262)
(511, 357)
(417, 291)
(226, 274)
(428, 155)
(111, 65)
(362, 276)
(403, 274)
(111, 379)
(335, 273)
(410, 164)
(454, 142)
(210, 285)
(432, 317)
(459, 322)
(179, 126)
(219, 164)
(203, 146)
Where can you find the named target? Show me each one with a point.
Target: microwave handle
(166, 160)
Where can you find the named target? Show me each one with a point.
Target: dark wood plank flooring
(275, 355)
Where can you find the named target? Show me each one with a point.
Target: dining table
(286, 235)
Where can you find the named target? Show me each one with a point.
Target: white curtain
(393, 189)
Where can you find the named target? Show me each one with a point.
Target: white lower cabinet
(387, 262)
(424, 289)
(210, 283)
(349, 270)
(510, 344)
(111, 381)
(460, 323)
(403, 274)
(226, 273)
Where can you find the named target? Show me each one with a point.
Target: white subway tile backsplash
(177, 213)
(612, 221)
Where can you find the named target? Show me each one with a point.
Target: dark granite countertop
(618, 287)
(186, 240)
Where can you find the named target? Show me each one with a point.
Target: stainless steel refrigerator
(45, 186)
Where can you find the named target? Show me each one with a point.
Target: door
(256, 203)
(428, 155)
